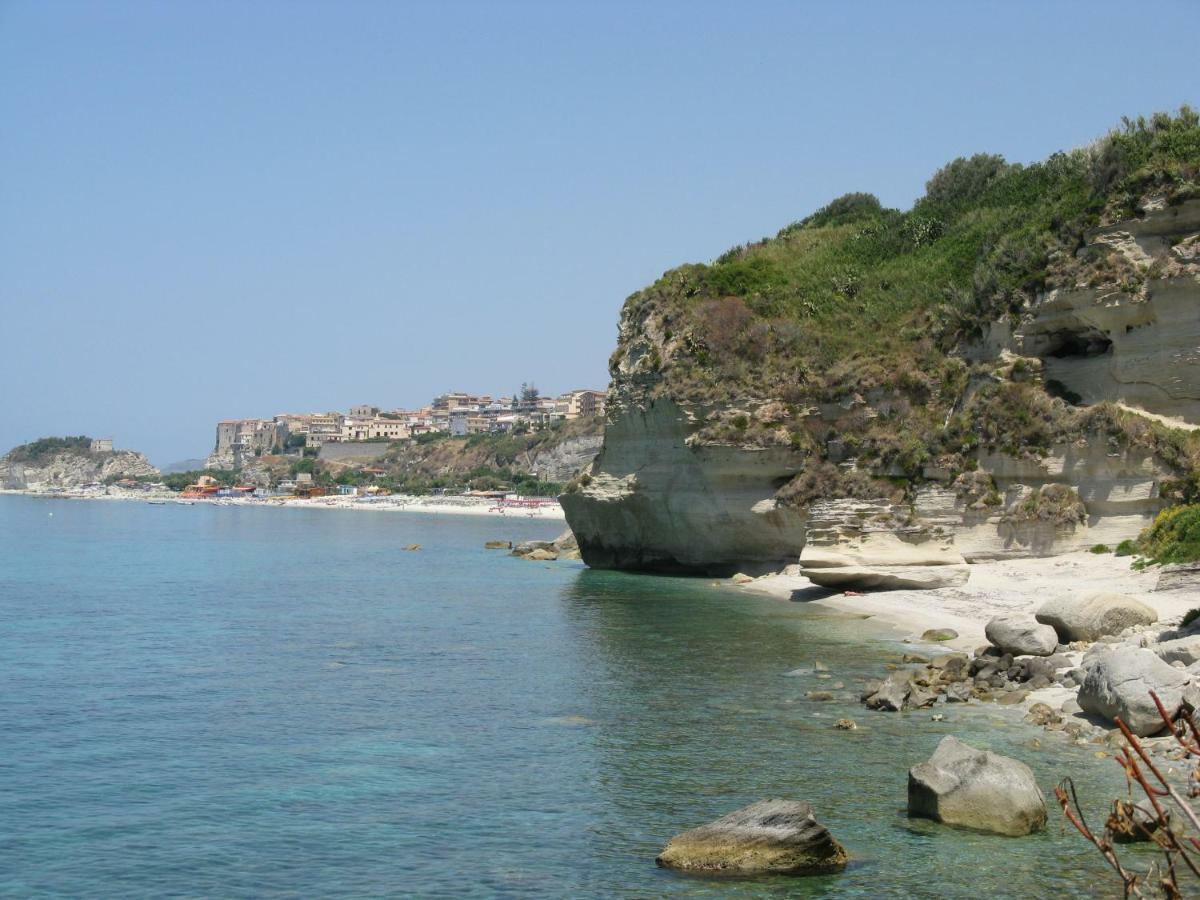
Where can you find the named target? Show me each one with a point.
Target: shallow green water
(233, 701)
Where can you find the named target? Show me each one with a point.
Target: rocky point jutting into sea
(64, 463)
(1011, 368)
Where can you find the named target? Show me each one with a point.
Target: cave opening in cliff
(1076, 344)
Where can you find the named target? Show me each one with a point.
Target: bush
(48, 446)
(1174, 537)
(1190, 616)
(1098, 549)
(1126, 548)
(853, 207)
(964, 180)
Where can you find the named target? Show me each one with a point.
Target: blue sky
(213, 210)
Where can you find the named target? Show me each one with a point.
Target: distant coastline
(446, 505)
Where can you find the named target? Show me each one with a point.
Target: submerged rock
(768, 837)
(971, 788)
(1021, 637)
(1091, 617)
(1118, 682)
(939, 634)
(497, 545)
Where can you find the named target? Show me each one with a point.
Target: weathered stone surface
(891, 694)
(566, 546)
(1185, 650)
(1093, 616)
(978, 789)
(1021, 636)
(881, 560)
(541, 555)
(1182, 577)
(769, 837)
(1118, 682)
(741, 578)
(526, 547)
(497, 545)
(889, 578)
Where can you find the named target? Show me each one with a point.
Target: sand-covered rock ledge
(1017, 586)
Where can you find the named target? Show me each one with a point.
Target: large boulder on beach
(1185, 650)
(1021, 636)
(780, 837)
(971, 788)
(1091, 617)
(1118, 682)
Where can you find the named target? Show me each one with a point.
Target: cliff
(1010, 368)
(65, 463)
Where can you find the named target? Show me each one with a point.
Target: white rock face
(1091, 617)
(654, 502)
(72, 469)
(856, 544)
(961, 785)
(1118, 683)
(1021, 636)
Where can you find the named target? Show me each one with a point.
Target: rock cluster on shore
(562, 547)
(1090, 682)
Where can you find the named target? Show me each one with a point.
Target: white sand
(456, 506)
(1012, 586)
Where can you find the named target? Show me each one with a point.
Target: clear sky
(215, 209)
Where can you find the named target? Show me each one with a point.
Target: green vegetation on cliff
(1173, 538)
(43, 448)
(865, 311)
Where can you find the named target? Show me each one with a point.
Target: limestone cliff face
(663, 494)
(72, 469)
(1137, 342)
(656, 501)
(565, 460)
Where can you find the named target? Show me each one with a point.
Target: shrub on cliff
(43, 448)
(1173, 538)
(964, 180)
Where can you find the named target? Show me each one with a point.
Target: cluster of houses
(457, 414)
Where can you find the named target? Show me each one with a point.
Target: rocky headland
(1010, 369)
(53, 464)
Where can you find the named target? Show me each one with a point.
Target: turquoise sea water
(209, 701)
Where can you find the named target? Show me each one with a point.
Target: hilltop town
(455, 414)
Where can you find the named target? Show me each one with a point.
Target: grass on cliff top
(857, 280)
(44, 448)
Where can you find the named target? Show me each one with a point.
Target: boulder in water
(970, 788)
(780, 837)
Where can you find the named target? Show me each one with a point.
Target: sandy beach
(1009, 586)
(456, 506)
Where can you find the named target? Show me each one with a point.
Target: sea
(212, 701)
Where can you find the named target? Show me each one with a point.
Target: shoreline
(1007, 587)
(1001, 587)
(463, 506)
(995, 588)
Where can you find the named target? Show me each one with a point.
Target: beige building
(248, 436)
